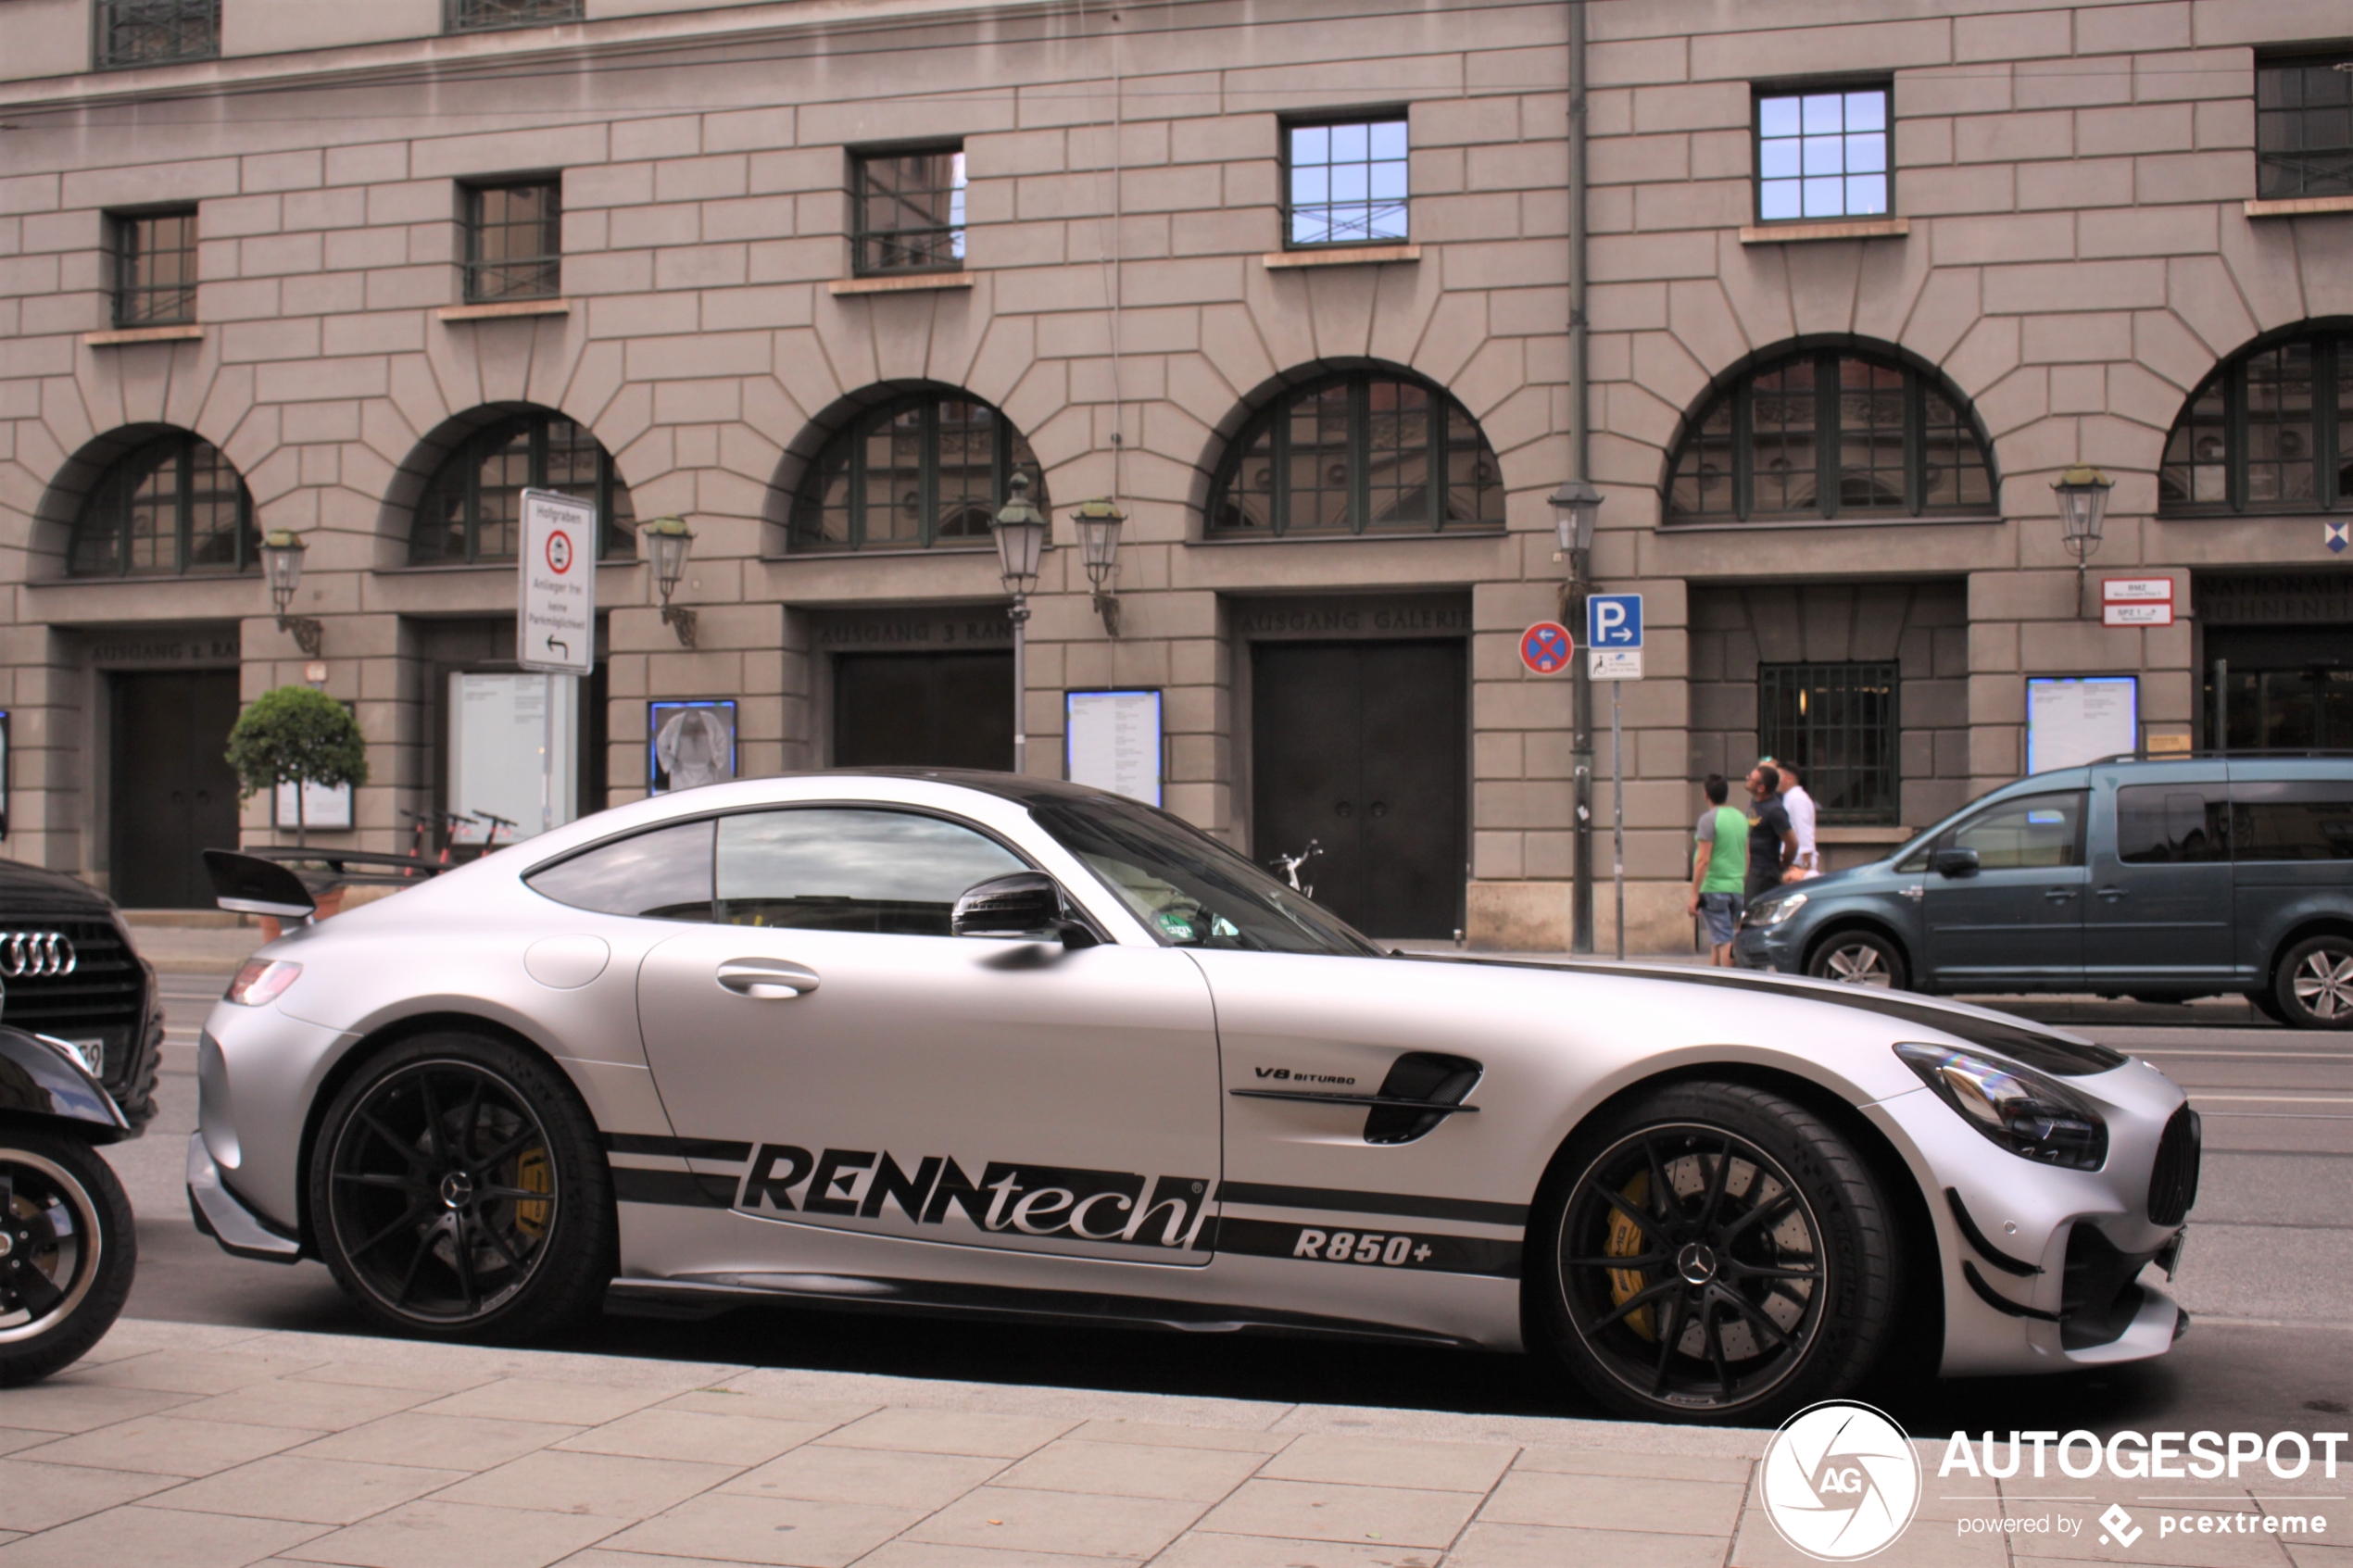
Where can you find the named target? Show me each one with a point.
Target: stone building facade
(1825, 417)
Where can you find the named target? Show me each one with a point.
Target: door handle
(2112, 894)
(767, 979)
(2059, 895)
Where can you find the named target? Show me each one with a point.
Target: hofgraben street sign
(556, 620)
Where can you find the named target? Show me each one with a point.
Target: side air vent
(2174, 1179)
(1419, 1075)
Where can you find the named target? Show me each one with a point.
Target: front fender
(41, 1080)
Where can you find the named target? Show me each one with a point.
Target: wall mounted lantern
(1099, 522)
(668, 542)
(281, 553)
(2082, 497)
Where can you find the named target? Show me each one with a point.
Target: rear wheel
(458, 1190)
(67, 1249)
(1714, 1252)
(2314, 988)
(1858, 957)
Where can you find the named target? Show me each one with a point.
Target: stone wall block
(1888, 286)
(1968, 188)
(2018, 137)
(1756, 283)
(2075, 82)
(1969, 242)
(2012, 36)
(2091, 285)
(738, 130)
(2204, 294)
(2076, 184)
(2176, 177)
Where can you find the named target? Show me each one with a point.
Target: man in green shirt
(1719, 869)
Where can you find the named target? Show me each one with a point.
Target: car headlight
(1773, 911)
(260, 981)
(2016, 1107)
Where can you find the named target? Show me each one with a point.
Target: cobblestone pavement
(191, 1445)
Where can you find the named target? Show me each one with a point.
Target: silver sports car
(974, 1042)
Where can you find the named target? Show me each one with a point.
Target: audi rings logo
(1841, 1481)
(36, 955)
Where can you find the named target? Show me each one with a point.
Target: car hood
(30, 891)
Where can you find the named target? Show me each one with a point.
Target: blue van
(2154, 879)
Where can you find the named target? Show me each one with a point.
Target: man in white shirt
(1800, 807)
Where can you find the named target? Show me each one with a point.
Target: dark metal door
(924, 710)
(1363, 746)
(174, 794)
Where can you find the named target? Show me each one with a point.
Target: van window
(2032, 831)
(2292, 820)
(2171, 823)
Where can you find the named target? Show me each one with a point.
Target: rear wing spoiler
(248, 884)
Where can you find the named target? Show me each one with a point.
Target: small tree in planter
(297, 735)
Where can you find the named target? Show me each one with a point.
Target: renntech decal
(1040, 1200)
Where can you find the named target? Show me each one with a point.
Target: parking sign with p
(1613, 636)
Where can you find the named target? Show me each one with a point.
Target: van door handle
(2112, 894)
(2059, 895)
(767, 979)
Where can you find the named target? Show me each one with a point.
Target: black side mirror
(1954, 862)
(251, 885)
(1024, 903)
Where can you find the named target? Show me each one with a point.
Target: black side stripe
(1420, 1250)
(676, 1189)
(1338, 1201)
(677, 1149)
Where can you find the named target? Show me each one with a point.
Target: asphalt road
(2268, 1275)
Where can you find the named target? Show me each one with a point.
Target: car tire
(1770, 1278)
(458, 1190)
(1858, 957)
(71, 1250)
(2313, 985)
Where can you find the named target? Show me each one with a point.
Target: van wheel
(1858, 957)
(2315, 985)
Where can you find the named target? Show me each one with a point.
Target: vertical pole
(1617, 812)
(1021, 682)
(547, 757)
(1580, 897)
(2220, 743)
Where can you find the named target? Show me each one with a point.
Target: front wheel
(67, 1249)
(2314, 988)
(1714, 1252)
(1858, 957)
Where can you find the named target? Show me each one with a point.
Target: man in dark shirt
(1772, 843)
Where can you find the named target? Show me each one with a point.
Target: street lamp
(2082, 497)
(1576, 507)
(1099, 522)
(668, 542)
(282, 552)
(1020, 529)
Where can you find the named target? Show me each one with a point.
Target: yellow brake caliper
(1626, 1240)
(532, 1174)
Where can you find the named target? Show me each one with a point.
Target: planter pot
(329, 903)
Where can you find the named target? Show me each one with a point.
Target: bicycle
(1289, 865)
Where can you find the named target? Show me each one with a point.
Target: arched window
(2270, 432)
(922, 470)
(472, 510)
(170, 507)
(1356, 454)
(1826, 433)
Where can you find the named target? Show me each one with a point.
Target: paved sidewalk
(183, 1446)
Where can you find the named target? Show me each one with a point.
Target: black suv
(71, 973)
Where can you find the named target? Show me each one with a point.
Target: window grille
(1358, 454)
(2304, 127)
(514, 242)
(156, 33)
(1826, 435)
(2270, 432)
(1838, 723)
(472, 510)
(1822, 154)
(155, 263)
(914, 473)
(172, 507)
(486, 16)
(1345, 182)
(910, 212)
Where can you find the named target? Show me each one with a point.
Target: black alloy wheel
(1717, 1252)
(458, 1189)
(1858, 957)
(2314, 984)
(67, 1249)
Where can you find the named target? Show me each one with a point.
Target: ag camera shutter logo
(1841, 1481)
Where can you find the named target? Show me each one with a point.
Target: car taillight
(261, 980)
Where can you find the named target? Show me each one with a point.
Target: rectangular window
(486, 16)
(1344, 181)
(155, 268)
(156, 33)
(1838, 722)
(2292, 820)
(1824, 154)
(2304, 127)
(910, 214)
(514, 242)
(2171, 824)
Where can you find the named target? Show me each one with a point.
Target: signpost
(2136, 601)
(1546, 648)
(1613, 652)
(556, 610)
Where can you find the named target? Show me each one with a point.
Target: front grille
(2174, 1179)
(103, 998)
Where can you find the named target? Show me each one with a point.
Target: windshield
(1189, 889)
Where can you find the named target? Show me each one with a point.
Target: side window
(2170, 824)
(664, 875)
(2292, 820)
(2033, 833)
(895, 873)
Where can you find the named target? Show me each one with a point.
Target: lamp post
(1020, 530)
(1099, 522)
(668, 541)
(282, 552)
(1576, 507)
(2082, 497)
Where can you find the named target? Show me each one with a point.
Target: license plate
(92, 1054)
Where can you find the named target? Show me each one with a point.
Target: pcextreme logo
(1841, 1481)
